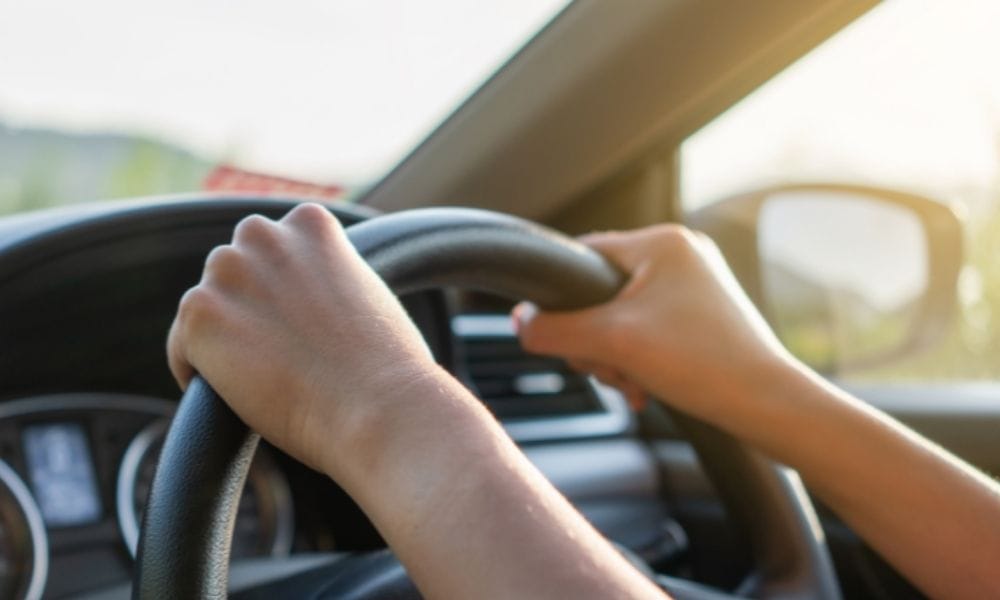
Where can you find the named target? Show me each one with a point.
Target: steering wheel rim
(185, 540)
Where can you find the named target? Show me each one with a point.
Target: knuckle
(314, 219)
(673, 233)
(311, 210)
(223, 262)
(197, 306)
(255, 229)
(308, 212)
(676, 240)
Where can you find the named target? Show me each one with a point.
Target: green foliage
(32, 188)
(46, 169)
(832, 345)
(150, 169)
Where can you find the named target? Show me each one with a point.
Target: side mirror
(848, 276)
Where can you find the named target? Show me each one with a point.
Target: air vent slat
(491, 387)
(509, 407)
(518, 385)
(487, 348)
(514, 368)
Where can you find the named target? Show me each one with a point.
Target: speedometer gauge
(24, 551)
(264, 521)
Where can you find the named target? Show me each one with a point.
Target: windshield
(109, 98)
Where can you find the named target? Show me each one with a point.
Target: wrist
(731, 393)
(390, 422)
(406, 459)
(785, 407)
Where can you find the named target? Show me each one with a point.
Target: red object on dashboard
(225, 178)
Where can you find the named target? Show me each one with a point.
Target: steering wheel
(184, 546)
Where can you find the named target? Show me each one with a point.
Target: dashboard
(87, 462)
(85, 400)
(75, 474)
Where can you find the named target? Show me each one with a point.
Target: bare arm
(308, 346)
(936, 518)
(683, 330)
(466, 512)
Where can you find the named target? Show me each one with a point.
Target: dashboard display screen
(61, 474)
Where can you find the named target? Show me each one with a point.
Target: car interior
(580, 130)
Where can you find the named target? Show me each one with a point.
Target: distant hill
(40, 168)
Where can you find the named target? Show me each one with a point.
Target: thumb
(568, 334)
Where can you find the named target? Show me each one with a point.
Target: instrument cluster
(75, 473)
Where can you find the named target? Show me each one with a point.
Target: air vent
(538, 396)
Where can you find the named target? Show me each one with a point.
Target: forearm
(466, 512)
(684, 330)
(935, 518)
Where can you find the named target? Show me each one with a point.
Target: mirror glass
(843, 274)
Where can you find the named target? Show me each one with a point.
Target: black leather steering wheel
(183, 549)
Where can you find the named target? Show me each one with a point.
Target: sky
(332, 91)
(337, 91)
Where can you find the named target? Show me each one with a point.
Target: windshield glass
(109, 98)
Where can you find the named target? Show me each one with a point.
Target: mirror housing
(781, 242)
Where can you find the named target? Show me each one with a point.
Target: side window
(906, 98)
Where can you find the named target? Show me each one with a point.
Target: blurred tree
(40, 168)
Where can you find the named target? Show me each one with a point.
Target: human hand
(297, 334)
(681, 328)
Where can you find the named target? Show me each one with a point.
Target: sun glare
(907, 97)
(330, 91)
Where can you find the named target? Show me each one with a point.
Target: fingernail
(522, 313)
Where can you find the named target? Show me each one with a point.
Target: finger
(200, 310)
(609, 376)
(314, 220)
(180, 368)
(630, 250)
(559, 333)
(623, 384)
(605, 374)
(636, 397)
(616, 246)
(226, 267)
(582, 366)
(258, 233)
(633, 393)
